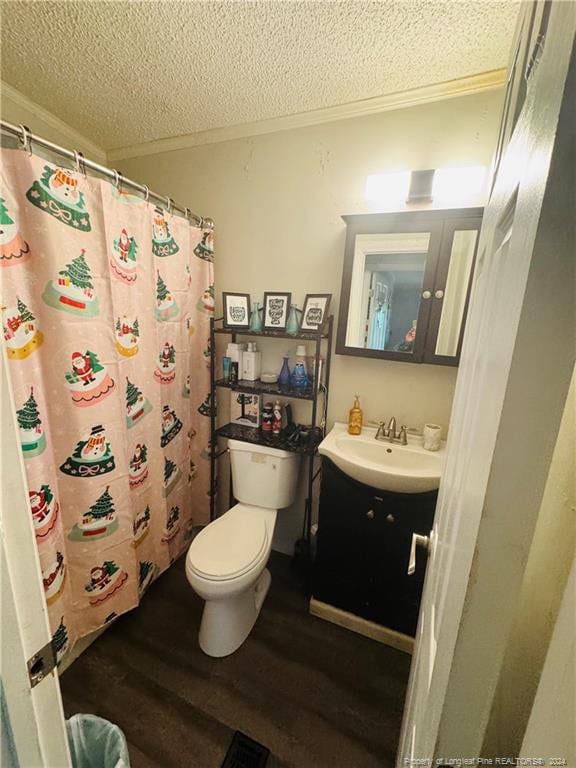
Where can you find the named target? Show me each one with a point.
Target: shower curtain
(106, 303)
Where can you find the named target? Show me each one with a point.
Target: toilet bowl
(226, 562)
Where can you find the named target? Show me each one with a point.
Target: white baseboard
(362, 626)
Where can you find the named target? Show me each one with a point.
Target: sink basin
(381, 464)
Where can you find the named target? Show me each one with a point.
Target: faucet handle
(402, 435)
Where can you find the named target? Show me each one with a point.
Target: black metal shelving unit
(255, 435)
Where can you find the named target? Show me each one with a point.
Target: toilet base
(227, 623)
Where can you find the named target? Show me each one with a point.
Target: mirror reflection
(386, 290)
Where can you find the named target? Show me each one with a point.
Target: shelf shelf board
(261, 388)
(257, 437)
(303, 336)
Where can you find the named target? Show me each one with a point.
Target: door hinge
(41, 664)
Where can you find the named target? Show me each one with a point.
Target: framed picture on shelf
(245, 409)
(236, 310)
(276, 308)
(315, 311)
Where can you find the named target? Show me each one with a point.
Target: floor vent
(244, 752)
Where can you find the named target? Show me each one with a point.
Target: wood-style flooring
(317, 695)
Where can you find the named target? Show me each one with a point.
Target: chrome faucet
(389, 433)
(380, 431)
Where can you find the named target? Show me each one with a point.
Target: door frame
(35, 715)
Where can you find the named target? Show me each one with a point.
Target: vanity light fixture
(420, 187)
(442, 187)
(466, 185)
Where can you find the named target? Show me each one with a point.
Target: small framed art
(245, 409)
(276, 308)
(315, 311)
(236, 310)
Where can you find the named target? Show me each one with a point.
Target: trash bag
(96, 743)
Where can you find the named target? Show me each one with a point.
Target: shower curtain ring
(187, 213)
(119, 179)
(146, 192)
(116, 177)
(169, 205)
(26, 139)
(79, 166)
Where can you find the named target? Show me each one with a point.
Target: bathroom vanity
(365, 534)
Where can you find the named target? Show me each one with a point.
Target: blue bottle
(285, 378)
(300, 378)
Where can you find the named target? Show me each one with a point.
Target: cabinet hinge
(41, 664)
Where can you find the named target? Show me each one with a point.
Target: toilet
(226, 562)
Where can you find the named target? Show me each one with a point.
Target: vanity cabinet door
(346, 546)
(363, 550)
(394, 599)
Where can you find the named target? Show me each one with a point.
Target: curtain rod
(27, 138)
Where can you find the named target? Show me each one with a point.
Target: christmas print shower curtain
(105, 315)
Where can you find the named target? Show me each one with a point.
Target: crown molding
(73, 137)
(464, 86)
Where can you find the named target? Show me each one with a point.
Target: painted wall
(550, 732)
(277, 201)
(547, 570)
(17, 108)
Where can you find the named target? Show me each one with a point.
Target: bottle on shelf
(251, 363)
(355, 417)
(285, 378)
(277, 421)
(300, 378)
(256, 319)
(267, 417)
(293, 324)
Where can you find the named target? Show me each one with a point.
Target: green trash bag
(96, 743)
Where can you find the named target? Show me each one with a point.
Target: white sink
(382, 464)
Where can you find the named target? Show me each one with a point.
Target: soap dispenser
(355, 417)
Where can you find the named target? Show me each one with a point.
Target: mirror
(456, 291)
(386, 291)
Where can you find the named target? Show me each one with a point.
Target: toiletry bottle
(251, 363)
(355, 418)
(300, 378)
(235, 352)
(267, 417)
(277, 422)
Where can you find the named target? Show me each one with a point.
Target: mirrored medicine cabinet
(406, 284)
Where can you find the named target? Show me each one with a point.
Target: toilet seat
(230, 546)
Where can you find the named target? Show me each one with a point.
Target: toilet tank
(262, 476)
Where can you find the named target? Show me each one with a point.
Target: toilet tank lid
(239, 445)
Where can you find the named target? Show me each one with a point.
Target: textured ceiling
(128, 72)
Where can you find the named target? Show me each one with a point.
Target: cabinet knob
(370, 514)
(439, 294)
(390, 518)
(426, 295)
